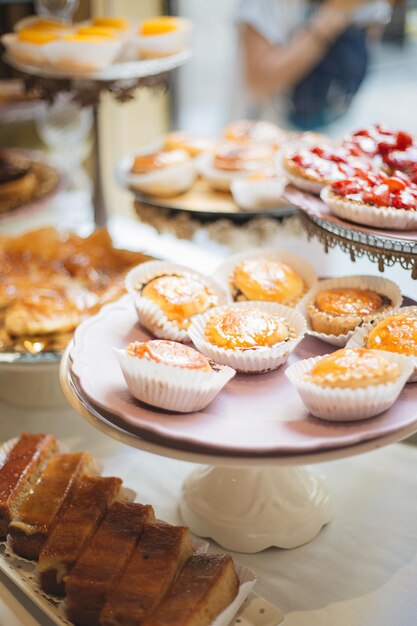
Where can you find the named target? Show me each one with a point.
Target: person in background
(309, 56)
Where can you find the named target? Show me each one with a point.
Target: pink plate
(315, 207)
(253, 414)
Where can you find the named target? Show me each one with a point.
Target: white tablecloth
(360, 570)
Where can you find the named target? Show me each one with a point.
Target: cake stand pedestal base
(251, 509)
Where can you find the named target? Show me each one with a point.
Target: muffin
(171, 376)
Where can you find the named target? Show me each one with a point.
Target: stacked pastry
(114, 563)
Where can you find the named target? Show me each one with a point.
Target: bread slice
(206, 585)
(20, 471)
(101, 563)
(90, 500)
(30, 528)
(161, 552)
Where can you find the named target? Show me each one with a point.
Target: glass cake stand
(252, 491)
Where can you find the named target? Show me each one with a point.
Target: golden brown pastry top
(180, 297)
(353, 368)
(145, 163)
(236, 157)
(118, 23)
(348, 301)
(246, 328)
(169, 353)
(37, 37)
(253, 131)
(396, 333)
(184, 140)
(268, 280)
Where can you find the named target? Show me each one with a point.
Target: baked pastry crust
(266, 280)
(396, 333)
(153, 161)
(169, 353)
(339, 310)
(351, 368)
(246, 329)
(179, 297)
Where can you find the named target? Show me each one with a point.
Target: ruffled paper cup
(360, 336)
(166, 182)
(368, 215)
(82, 56)
(169, 387)
(250, 360)
(156, 46)
(259, 195)
(304, 269)
(380, 285)
(149, 314)
(339, 405)
(305, 184)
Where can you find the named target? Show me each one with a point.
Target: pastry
(149, 162)
(266, 279)
(91, 497)
(20, 471)
(374, 200)
(338, 310)
(103, 560)
(183, 140)
(311, 169)
(156, 561)
(396, 333)
(377, 140)
(162, 36)
(248, 328)
(37, 515)
(17, 179)
(162, 173)
(206, 585)
(117, 23)
(171, 375)
(83, 52)
(352, 369)
(254, 131)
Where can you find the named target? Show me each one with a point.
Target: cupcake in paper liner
(393, 331)
(167, 296)
(28, 47)
(267, 274)
(251, 337)
(162, 36)
(375, 200)
(171, 376)
(83, 53)
(350, 384)
(335, 307)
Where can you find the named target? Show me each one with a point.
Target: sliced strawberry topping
(378, 189)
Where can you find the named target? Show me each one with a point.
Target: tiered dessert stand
(119, 79)
(255, 438)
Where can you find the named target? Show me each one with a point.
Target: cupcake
(267, 275)
(311, 169)
(162, 173)
(350, 384)
(167, 296)
(394, 331)
(44, 24)
(162, 36)
(251, 337)
(184, 140)
(374, 200)
(231, 161)
(171, 376)
(334, 308)
(255, 131)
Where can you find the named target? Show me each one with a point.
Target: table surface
(361, 569)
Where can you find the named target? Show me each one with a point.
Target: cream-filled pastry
(266, 280)
(169, 353)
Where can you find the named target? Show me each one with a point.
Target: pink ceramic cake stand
(255, 436)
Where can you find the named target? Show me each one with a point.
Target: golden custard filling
(37, 37)
(348, 301)
(395, 334)
(268, 280)
(180, 297)
(145, 163)
(169, 353)
(353, 368)
(246, 329)
(159, 26)
(119, 23)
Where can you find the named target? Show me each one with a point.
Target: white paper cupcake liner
(82, 55)
(150, 315)
(166, 182)
(169, 387)
(256, 360)
(258, 195)
(305, 184)
(368, 215)
(360, 336)
(304, 269)
(378, 284)
(335, 404)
